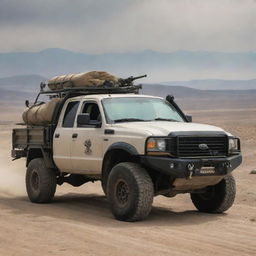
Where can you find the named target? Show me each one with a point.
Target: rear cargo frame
(32, 136)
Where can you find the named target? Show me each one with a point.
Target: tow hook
(191, 168)
(227, 164)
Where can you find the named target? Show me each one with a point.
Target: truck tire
(104, 184)
(130, 192)
(218, 198)
(40, 182)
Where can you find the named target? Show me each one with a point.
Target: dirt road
(79, 222)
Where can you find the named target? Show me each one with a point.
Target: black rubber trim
(124, 146)
(46, 156)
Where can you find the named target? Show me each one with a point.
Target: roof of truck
(104, 96)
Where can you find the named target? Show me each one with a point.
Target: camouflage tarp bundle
(40, 114)
(89, 79)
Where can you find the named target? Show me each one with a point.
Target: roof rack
(87, 91)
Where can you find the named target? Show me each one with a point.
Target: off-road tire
(104, 180)
(40, 182)
(136, 204)
(218, 198)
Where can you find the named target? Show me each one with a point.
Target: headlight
(233, 145)
(156, 145)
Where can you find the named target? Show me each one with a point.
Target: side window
(92, 109)
(70, 114)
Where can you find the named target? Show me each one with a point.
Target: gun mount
(129, 81)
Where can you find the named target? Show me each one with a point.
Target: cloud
(128, 25)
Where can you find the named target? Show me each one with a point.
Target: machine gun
(129, 81)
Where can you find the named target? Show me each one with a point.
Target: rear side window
(70, 114)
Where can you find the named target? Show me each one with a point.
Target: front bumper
(181, 167)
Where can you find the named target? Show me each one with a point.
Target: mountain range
(215, 84)
(30, 83)
(189, 98)
(160, 67)
(22, 72)
(25, 83)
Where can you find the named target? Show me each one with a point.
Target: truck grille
(210, 146)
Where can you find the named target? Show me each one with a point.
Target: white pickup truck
(138, 146)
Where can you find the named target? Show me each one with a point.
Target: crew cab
(138, 146)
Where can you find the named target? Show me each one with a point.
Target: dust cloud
(12, 173)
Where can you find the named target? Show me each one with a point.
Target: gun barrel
(138, 77)
(129, 80)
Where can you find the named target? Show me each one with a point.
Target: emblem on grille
(203, 146)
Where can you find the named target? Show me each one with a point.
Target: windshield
(135, 109)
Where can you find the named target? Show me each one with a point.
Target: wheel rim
(122, 192)
(34, 180)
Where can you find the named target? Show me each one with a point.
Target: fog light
(171, 165)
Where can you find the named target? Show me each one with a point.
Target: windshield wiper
(128, 120)
(165, 119)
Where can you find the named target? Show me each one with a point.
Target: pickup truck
(138, 146)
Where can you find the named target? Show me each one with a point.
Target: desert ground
(79, 222)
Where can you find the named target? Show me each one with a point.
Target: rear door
(86, 147)
(62, 137)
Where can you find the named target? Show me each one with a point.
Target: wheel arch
(123, 146)
(116, 153)
(39, 152)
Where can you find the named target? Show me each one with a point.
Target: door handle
(57, 135)
(74, 135)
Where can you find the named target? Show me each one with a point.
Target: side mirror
(189, 118)
(83, 119)
(27, 103)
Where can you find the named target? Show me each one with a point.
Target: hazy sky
(98, 26)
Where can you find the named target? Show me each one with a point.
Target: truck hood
(163, 128)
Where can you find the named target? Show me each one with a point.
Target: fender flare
(38, 151)
(106, 163)
(123, 146)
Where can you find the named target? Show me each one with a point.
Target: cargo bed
(33, 136)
